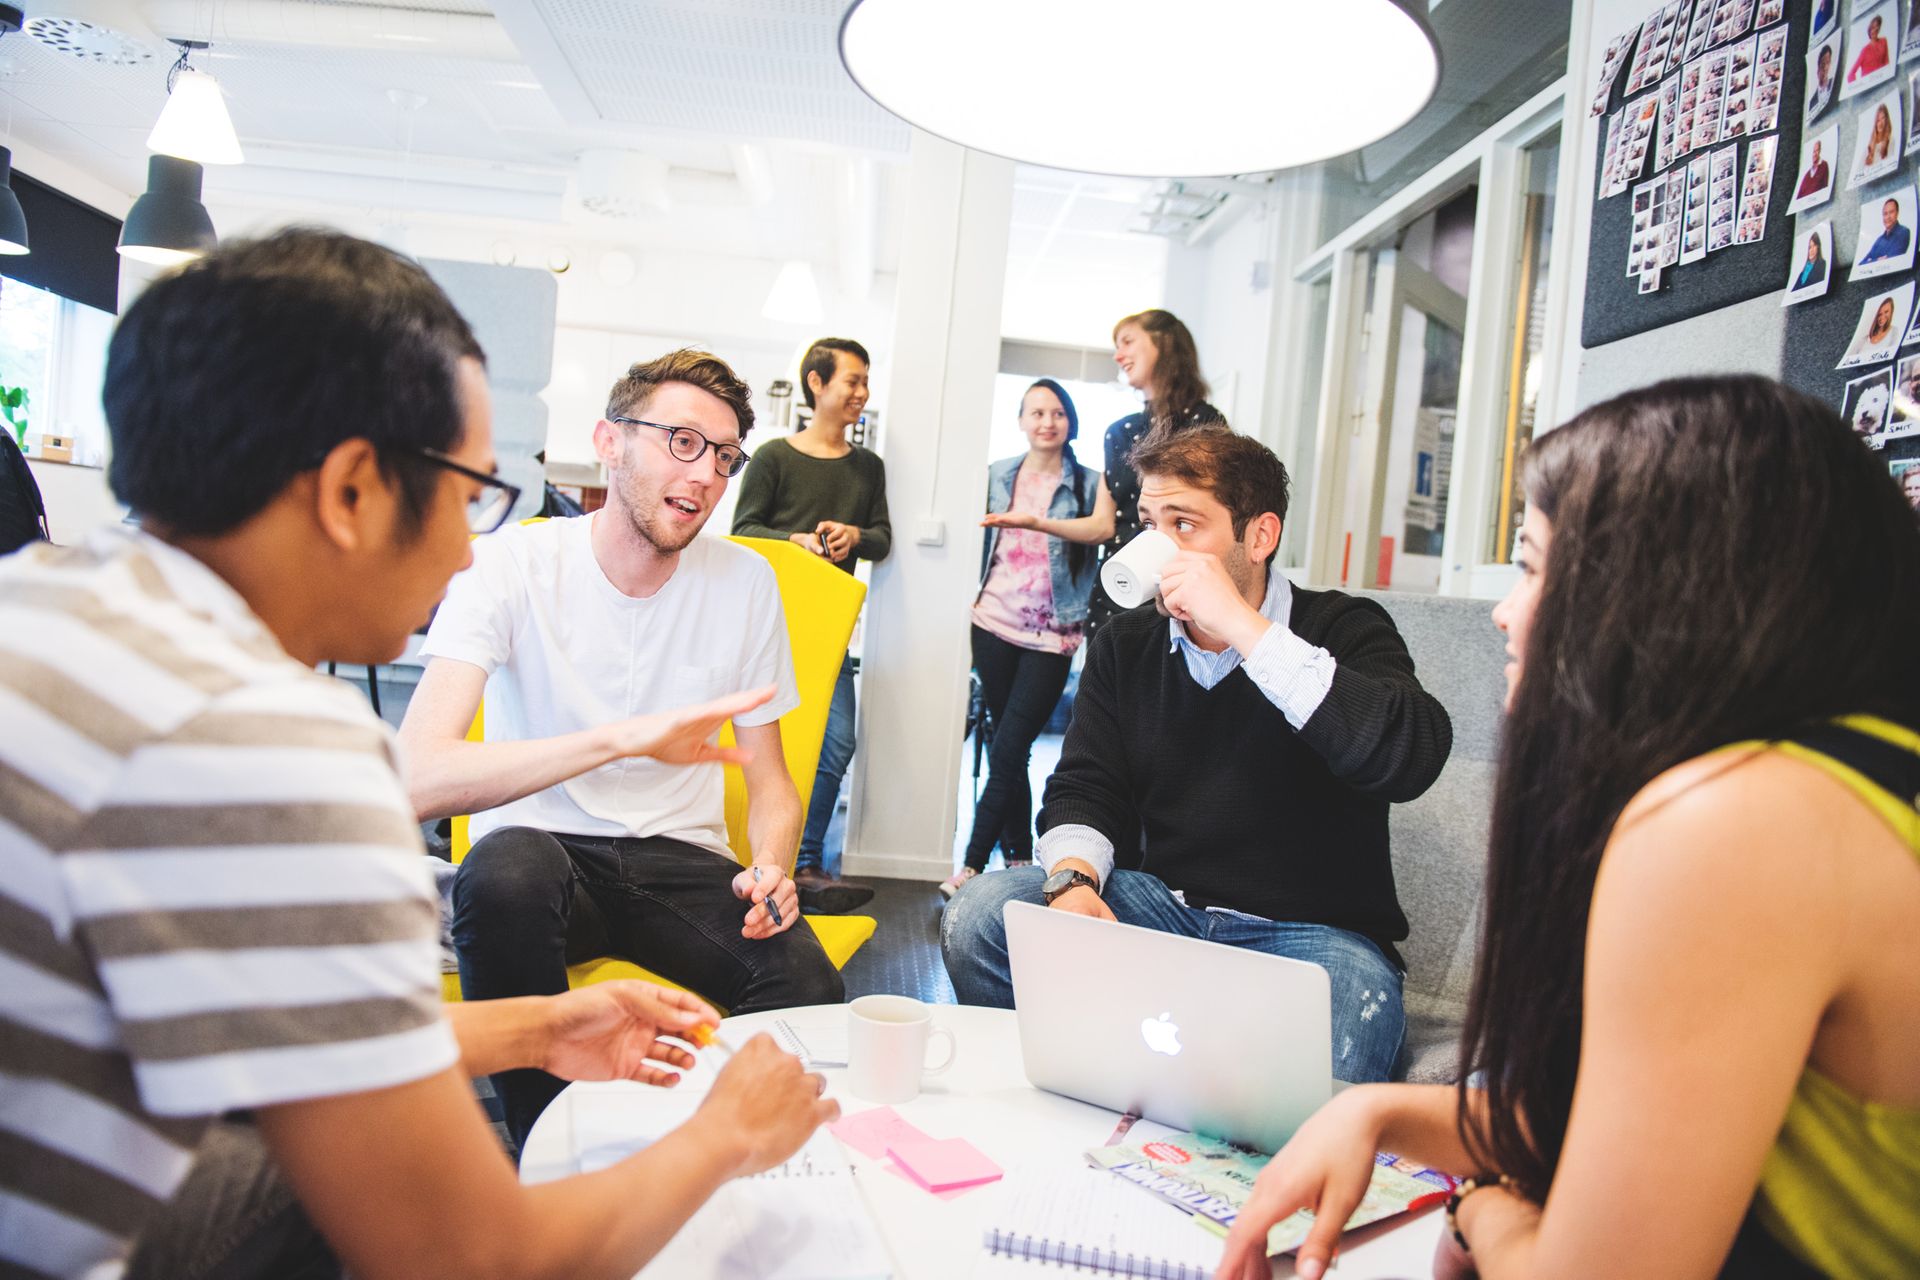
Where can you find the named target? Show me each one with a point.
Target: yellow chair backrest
(821, 604)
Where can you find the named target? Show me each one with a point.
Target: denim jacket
(1072, 574)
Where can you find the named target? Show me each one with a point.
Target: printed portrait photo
(1906, 474)
(1823, 76)
(1869, 51)
(1814, 187)
(1883, 318)
(1880, 136)
(1866, 402)
(1812, 265)
(1885, 242)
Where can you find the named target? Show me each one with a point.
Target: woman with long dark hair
(1694, 1022)
(1036, 571)
(1157, 357)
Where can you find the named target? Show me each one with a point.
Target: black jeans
(527, 903)
(1021, 688)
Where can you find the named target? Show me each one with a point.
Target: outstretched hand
(1326, 1167)
(612, 1030)
(685, 734)
(1009, 520)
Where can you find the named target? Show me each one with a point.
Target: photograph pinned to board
(1910, 42)
(1905, 406)
(1764, 116)
(1699, 29)
(1642, 117)
(1610, 64)
(1869, 52)
(1823, 75)
(1659, 44)
(1906, 474)
(1865, 403)
(1637, 72)
(1693, 234)
(1880, 134)
(1811, 265)
(1771, 11)
(1756, 192)
(1675, 195)
(1722, 199)
(1649, 213)
(1883, 318)
(1664, 154)
(1688, 108)
(1731, 20)
(1740, 90)
(1713, 97)
(1616, 129)
(1885, 242)
(1826, 20)
(1815, 185)
(1913, 120)
(1650, 278)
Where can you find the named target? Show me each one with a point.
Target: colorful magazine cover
(1212, 1180)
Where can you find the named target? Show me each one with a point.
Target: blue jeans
(836, 753)
(1368, 1021)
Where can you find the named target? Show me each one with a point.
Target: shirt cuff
(1073, 840)
(1293, 674)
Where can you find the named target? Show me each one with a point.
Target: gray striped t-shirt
(212, 890)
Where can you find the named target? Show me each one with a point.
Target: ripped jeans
(1368, 1021)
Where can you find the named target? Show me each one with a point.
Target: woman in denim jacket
(1045, 514)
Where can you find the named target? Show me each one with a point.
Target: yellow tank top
(1841, 1186)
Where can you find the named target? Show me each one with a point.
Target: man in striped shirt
(212, 894)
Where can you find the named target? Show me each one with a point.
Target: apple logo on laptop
(1162, 1034)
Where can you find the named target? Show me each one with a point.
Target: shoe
(951, 885)
(824, 895)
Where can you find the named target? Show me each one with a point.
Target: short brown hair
(1240, 472)
(701, 369)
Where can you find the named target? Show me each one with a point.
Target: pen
(821, 538)
(772, 910)
(707, 1038)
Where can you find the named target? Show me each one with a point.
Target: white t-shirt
(565, 650)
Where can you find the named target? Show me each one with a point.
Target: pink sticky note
(944, 1164)
(872, 1131)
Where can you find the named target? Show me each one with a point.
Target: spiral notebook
(1084, 1219)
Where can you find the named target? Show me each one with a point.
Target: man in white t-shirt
(576, 630)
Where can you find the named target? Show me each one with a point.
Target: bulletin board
(1617, 304)
(1821, 332)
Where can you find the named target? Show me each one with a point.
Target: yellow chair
(821, 604)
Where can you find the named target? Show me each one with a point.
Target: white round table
(984, 1098)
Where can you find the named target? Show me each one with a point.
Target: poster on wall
(1866, 401)
(1885, 242)
(1880, 134)
(1823, 75)
(1756, 193)
(1812, 265)
(1815, 185)
(1883, 318)
(1869, 50)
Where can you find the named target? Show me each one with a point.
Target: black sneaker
(823, 895)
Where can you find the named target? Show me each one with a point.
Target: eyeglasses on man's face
(488, 509)
(689, 445)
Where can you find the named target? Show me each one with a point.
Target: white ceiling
(510, 102)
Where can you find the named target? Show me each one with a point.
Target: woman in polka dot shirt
(1157, 357)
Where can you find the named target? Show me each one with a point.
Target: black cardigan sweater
(1224, 800)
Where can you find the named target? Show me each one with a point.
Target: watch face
(1058, 882)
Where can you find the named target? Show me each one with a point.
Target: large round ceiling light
(1145, 88)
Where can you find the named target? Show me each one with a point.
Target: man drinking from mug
(1245, 737)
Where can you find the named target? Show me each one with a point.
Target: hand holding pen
(776, 903)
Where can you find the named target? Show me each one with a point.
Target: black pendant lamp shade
(168, 224)
(13, 219)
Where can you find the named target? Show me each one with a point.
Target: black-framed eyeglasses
(488, 509)
(689, 445)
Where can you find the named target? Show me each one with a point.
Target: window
(29, 322)
(1541, 171)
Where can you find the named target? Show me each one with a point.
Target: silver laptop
(1198, 1035)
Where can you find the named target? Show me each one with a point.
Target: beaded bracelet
(1461, 1192)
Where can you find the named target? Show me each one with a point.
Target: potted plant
(13, 407)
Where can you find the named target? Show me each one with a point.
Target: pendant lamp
(1144, 88)
(194, 125)
(13, 219)
(168, 225)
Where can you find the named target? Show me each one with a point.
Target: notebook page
(1059, 1207)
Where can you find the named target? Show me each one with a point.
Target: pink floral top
(1016, 603)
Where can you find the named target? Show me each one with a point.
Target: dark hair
(1179, 390)
(1243, 474)
(820, 359)
(1066, 402)
(631, 395)
(230, 377)
(1728, 562)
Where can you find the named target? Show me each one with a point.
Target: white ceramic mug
(1133, 577)
(887, 1047)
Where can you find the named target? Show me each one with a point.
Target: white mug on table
(887, 1047)
(1133, 576)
